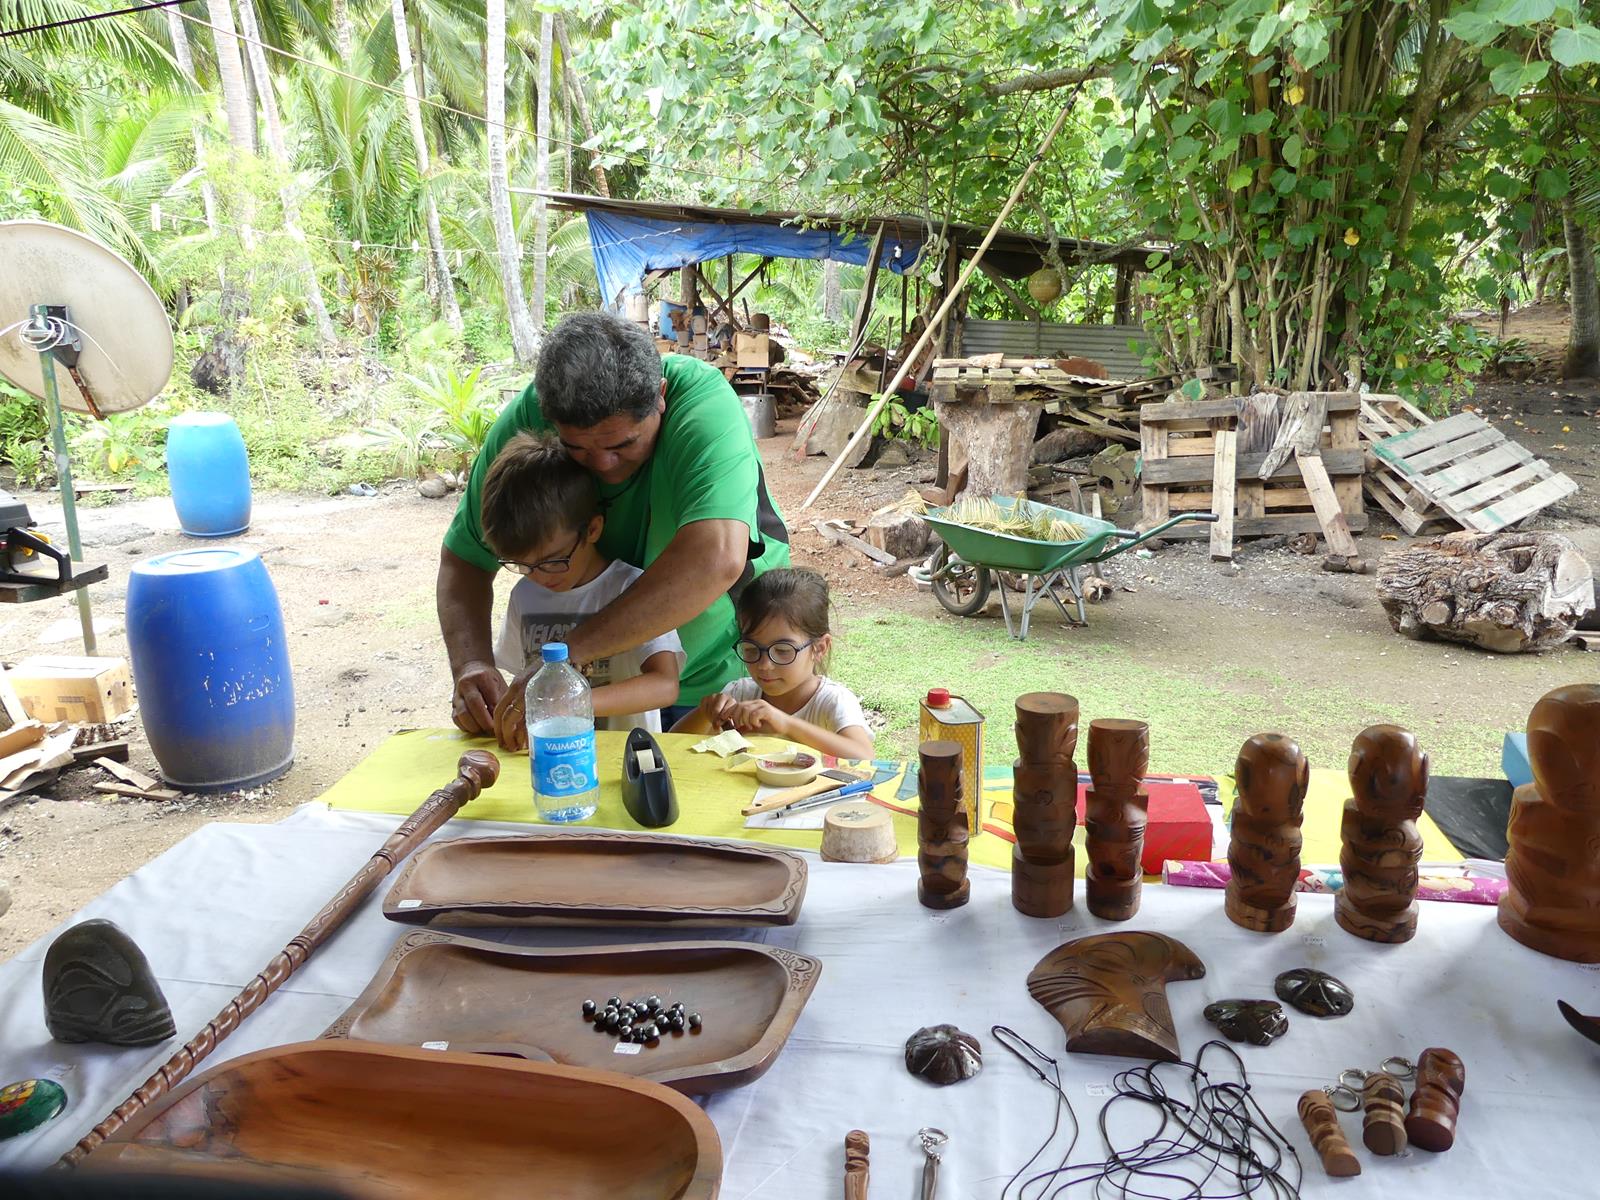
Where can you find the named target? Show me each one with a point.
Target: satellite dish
(126, 356)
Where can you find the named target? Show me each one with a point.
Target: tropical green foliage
(1334, 178)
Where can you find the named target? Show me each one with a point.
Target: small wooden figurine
(1115, 812)
(1109, 992)
(1321, 1121)
(1441, 1078)
(1270, 777)
(856, 1148)
(1389, 779)
(1553, 866)
(1383, 1126)
(1045, 798)
(941, 828)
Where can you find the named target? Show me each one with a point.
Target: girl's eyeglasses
(781, 653)
(547, 566)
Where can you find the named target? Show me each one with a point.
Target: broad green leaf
(1577, 46)
(1240, 177)
(1553, 183)
(1152, 45)
(1283, 181)
(1502, 186)
(1258, 122)
(1183, 148)
(1292, 150)
(1266, 30)
(1510, 79)
(1524, 12)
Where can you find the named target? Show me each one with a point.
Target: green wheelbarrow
(968, 564)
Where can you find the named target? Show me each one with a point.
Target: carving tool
(477, 769)
(932, 1142)
(827, 781)
(830, 797)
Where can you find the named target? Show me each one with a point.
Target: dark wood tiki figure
(941, 828)
(1389, 776)
(1553, 866)
(1045, 798)
(1264, 849)
(1115, 813)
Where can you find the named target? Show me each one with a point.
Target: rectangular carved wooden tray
(379, 1121)
(595, 877)
(444, 992)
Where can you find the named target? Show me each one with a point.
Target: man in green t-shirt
(683, 495)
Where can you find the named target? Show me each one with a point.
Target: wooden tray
(441, 991)
(378, 1121)
(596, 878)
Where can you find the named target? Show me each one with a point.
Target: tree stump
(1507, 592)
(998, 439)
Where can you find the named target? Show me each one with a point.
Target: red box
(1179, 827)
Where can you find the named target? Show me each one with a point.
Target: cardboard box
(751, 350)
(73, 688)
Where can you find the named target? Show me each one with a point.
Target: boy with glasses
(541, 516)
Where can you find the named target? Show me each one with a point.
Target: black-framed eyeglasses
(781, 653)
(546, 566)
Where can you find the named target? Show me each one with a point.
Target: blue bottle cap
(552, 652)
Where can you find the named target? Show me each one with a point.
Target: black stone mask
(99, 988)
(1260, 1022)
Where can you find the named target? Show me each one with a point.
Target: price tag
(409, 904)
(1097, 1089)
(627, 1048)
(436, 1045)
(1314, 939)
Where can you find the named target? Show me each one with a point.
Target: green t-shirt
(705, 467)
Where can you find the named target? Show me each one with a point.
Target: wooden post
(689, 297)
(1224, 468)
(1120, 314)
(868, 289)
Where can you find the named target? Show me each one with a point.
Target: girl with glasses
(784, 643)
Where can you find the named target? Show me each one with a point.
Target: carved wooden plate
(596, 878)
(380, 1121)
(441, 991)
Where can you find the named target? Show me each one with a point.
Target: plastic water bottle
(560, 713)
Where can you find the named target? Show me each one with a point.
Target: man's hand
(757, 716)
(479, 688)
(510, 723)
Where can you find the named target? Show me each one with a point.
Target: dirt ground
(355, 578)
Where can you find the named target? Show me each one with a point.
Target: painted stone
(99, 988)
(1314, 992)
(1259, 1022)
(28, 1104)
(942, 1054)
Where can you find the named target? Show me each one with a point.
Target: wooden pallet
(1460, 470)
(1384, 416)
(1180, 445)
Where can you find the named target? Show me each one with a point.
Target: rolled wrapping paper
(1459, 889)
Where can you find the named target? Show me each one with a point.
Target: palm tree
(179, 33)
(408, 84)
(230, 71)
(524, 330)
(278, 151)
(541, 175)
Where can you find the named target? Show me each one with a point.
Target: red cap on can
(938, 697)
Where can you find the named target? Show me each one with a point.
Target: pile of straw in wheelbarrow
(1021, 520)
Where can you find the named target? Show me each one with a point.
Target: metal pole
(69, 506)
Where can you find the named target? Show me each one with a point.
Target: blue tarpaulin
(626, 247)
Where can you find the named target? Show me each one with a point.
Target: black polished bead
(653, 1001)
(614, 1002)
(694, 1021)
(647, 1032)
(588, 1010)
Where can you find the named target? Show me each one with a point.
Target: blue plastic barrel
(211, 668)
(210, 474)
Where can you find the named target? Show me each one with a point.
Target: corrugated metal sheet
(1106, 344)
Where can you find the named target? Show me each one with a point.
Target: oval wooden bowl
(596, 877)
(486, 998)
(380, 1121)
(792, 768)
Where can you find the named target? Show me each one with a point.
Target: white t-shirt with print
(833, 708)
(536, 615)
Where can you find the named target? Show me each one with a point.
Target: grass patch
(1198, 719)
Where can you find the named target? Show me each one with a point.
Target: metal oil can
(950, 718)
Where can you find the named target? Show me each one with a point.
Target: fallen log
(1507, 592)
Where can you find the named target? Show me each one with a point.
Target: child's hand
(718, 709)
(757, 716)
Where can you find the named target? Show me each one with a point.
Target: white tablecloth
(212, 910)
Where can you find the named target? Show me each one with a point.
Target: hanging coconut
(1044, 285)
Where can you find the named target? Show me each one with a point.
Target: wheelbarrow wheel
(962, 588)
